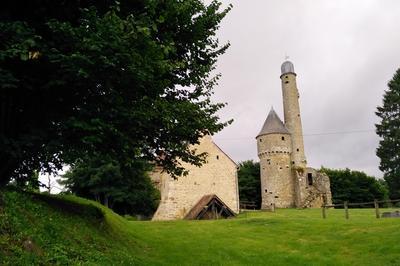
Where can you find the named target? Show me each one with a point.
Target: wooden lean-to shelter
(209, 207)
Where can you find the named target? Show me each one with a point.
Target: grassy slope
(63, 230)
(297, 237)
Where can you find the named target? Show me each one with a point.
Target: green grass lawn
(90, 234)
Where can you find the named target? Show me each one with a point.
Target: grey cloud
(344, 53)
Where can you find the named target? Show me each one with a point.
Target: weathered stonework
(285, 179)
(218, 176)
(274, 152)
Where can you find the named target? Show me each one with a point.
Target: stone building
(217, 179)
(286, 181)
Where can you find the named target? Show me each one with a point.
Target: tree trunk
(106, 201)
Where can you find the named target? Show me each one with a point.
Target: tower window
(217, 157)
(276, 197)
(286, 76)
(292, 162)
(297, 150)
(286, 82)
(260, 140)
(266, 190)
(283, 138)
(309, 179)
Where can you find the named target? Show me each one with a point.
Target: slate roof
(273, 124)
(287, 67)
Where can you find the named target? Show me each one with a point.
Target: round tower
(274, 150)
(292, 114)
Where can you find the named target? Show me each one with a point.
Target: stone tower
(285, 179)
(274, 145)
(291, 111)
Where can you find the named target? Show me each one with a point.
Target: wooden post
(376, 209)
(323, 211)
(346, 209)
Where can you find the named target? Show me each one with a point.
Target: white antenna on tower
(286, 57)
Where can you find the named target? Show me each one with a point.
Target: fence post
(346, 209)
(323, 211)
(376, 209)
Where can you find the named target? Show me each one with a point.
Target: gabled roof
(209, 203)
(225, 154)
(273, 124)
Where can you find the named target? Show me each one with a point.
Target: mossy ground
(73, 231)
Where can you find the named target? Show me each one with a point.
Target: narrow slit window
(283, 138)
(310, 179)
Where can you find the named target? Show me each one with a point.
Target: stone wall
(218, 176)
(317, 190)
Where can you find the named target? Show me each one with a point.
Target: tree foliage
(389, 130)
(126, 190)
(128, 80)
(354, 186)
(249, 182)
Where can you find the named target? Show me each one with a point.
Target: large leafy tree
(126, 190)
(354, 186)
(249, 182)
(389, 130)
(129, 80)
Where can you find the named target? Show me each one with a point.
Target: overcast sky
(344, 53)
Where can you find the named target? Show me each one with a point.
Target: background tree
(249, 182)
(126, 190)
(29, 183)
(129, 81)
(354, 186)
(389, 130)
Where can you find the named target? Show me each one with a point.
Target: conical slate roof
(273, 124)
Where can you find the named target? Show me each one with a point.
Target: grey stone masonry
(286, 181)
